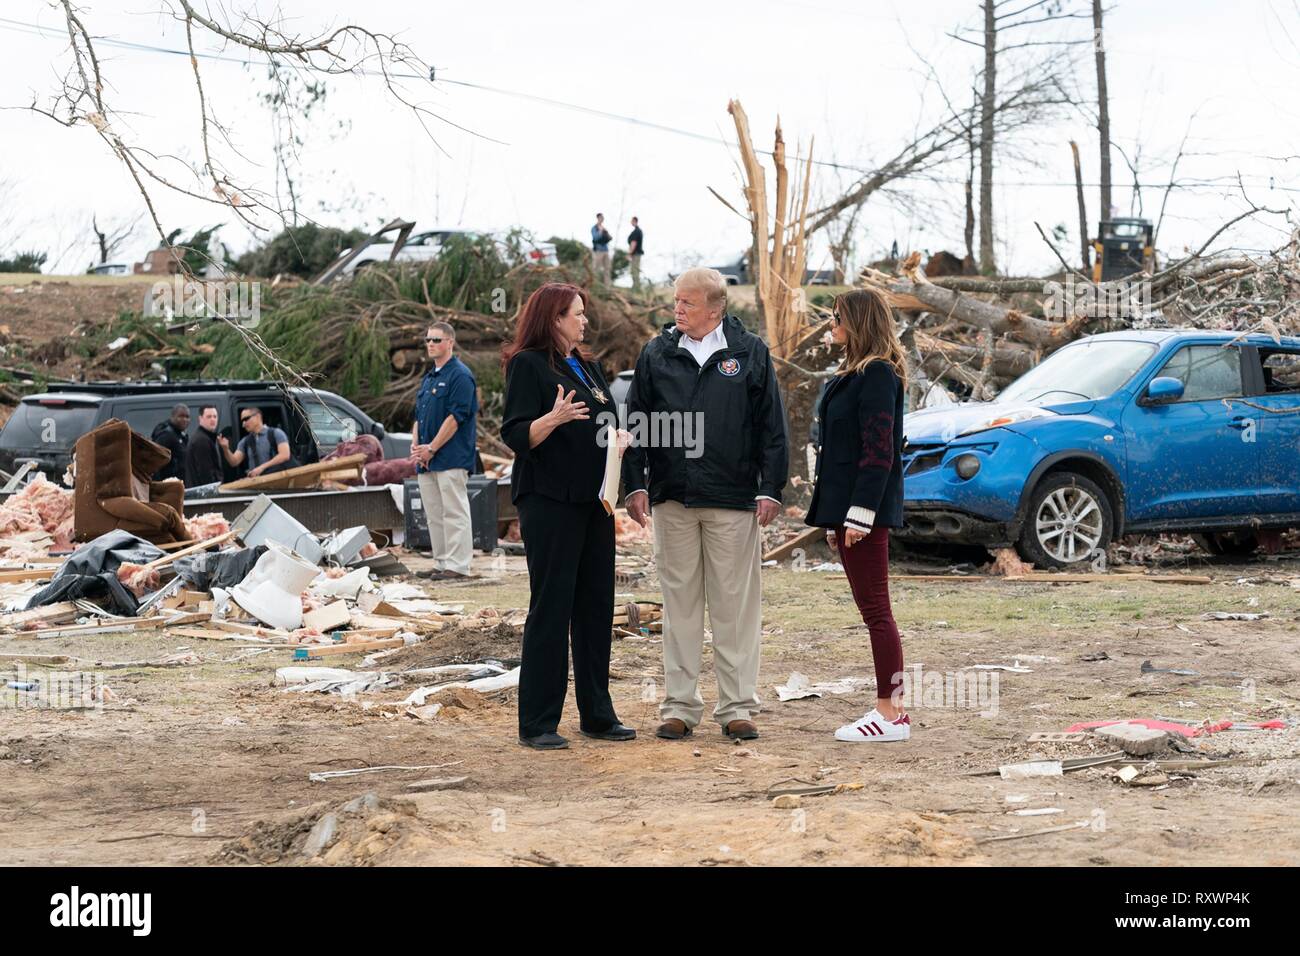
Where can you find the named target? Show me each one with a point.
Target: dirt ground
(43, 317)
(209, 762)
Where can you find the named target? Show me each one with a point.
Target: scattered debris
(435, 783)
(1149, 668)
(798, 687)
(324, 775)
(1031, 768)
(1033, 833)
(1134, 739)
(1012, 668)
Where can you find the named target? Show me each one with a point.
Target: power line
(45, 32)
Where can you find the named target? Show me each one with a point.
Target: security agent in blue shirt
(443, 446)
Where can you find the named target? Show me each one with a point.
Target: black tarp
(222, 569)
(90, 573)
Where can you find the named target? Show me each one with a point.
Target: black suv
(45, 427)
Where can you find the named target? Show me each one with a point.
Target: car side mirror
(378, 430)
(1163, 390)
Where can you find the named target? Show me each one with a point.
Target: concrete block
(1134, 738)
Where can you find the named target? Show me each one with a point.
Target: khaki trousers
(636, 270)
(603, 266)
(709, 556)
(446, 507)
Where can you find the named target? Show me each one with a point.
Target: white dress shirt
(702, 350)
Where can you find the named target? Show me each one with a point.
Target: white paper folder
(613, 469)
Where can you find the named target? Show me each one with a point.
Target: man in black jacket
(172, 435)
(203, 457)
(709, 456)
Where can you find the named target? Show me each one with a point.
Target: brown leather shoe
(741, 730)
(673, 729)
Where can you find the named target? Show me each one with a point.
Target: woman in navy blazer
(859, 492)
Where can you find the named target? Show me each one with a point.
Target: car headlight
(1008, 418)
(967, 466)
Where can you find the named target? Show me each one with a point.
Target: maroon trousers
(867, 566)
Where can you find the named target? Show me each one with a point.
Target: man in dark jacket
(173, 435)
(203, 456)
(709, 456)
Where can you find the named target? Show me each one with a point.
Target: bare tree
(968, 233)
(113, 236)
(839, 240)
(997, 22)
(921, 153)
(988, 98)
(1084, 250)
(1103, 108)
(86, 97)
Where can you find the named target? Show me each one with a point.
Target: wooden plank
(285, 479)
(128, 625)
(59, 613)
(783, 551)
(28, 574)
(37, 658)
(368, 622)
(206, 634)
(255, 630)
(191, 549)
(370, 634)
(331, 617)
(192, 617)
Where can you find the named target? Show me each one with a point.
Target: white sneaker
(876, 728)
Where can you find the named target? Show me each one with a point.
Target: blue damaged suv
(1119, 433)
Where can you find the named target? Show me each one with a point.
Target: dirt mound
(459, 702)
(459, 645)
(354, 833)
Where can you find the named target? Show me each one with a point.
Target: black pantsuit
(568, 543)
(570, 552)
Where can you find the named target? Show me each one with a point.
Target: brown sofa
(114, 490)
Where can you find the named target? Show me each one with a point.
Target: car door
(1195, 457)
(142, 416)
(1276, 409)
(278, 414)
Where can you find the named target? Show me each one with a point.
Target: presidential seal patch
(729, 367)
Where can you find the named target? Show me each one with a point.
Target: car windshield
(1083, 371)
(47, 425)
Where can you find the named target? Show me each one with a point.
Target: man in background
(203, 454)
(635, 246)
(265, 449)
(442, 446)
(172, 435)
(600, 240)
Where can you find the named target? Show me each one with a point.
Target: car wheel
(1068, 522)
(1231, 543)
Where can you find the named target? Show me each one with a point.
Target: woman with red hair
(554, 395)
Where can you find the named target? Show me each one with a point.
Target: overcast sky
(850, 76)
